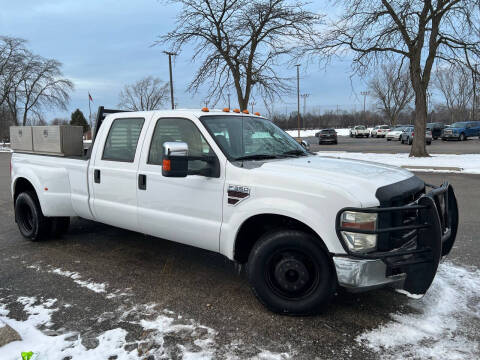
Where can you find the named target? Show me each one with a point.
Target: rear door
(186, 210)
(115, 173)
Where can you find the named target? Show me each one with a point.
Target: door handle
(142, 182)
(96, 176)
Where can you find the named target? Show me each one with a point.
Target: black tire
(389, 139)
(403, 142)
(29, 217)
(409, 141)
(462, 137)
(335, 142)
(283, 260)
(60, 226)
(429, 143)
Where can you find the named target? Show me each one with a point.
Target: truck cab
(236, 184)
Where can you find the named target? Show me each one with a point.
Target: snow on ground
(308, 133)
(165, 334)
(468, 163)
(191, 341)
(93, 286)
(444, 324)
(5, 147)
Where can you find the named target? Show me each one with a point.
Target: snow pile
(444, 325)
(309, 133)
(467, 163)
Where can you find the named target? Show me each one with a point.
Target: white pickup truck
(236, 184)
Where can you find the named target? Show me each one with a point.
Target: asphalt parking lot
(144, 277)
(381, 145)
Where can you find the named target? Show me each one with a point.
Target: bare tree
(60, 121)
(392, 89)
(455, 84)
(418, 31)
(148, 93)
(240, 42)
(30, 83)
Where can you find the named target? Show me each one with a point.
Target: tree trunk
(243, 103)
(418, 146)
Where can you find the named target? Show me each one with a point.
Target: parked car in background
(380, 131)
(408, 133)
(396, 133)
(359, 131)
(436, 128)
(462, 130)
(327, 136)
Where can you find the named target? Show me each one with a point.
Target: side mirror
(305, 144)
(175, 159)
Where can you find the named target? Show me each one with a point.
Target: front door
(186, 210)
(115, 174)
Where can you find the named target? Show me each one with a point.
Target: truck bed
(60, 182)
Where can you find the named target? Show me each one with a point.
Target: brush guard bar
(425, 233)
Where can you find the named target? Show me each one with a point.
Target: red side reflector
(46, 189)
(166, 165)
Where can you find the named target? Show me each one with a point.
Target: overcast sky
(106, 44)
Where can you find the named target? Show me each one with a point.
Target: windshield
(384, 127)
(361, 127)
(247, 137)
(398, 128)
(459, 125)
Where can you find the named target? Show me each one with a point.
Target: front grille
(396, 239)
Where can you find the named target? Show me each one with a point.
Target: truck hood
(359, 179)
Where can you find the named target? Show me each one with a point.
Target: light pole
(298, 99)
(474, 102)
(170, 54)
(364, 93)
(251, 104)
(228, 100)
(304, 96)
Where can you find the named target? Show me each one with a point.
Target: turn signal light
(245, 111)
(226, 110)
(166, 165)
(236, 111)
(205, 109)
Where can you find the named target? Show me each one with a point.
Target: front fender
(320, 219)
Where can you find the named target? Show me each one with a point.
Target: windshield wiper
(257, 157)
(295, 152)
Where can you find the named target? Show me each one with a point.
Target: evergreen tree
(79, 120)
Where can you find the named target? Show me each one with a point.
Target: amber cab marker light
(245, 111)
(166, 165)
(236, 111)
(205, 109)
(257, 113)
(226, 110)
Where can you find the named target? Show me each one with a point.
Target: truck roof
(177, 112)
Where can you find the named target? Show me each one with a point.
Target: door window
(181, 130)
(122, 140)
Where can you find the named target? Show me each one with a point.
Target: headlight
(357, 242)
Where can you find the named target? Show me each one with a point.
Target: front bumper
(413, 238)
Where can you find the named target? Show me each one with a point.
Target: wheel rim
(292, 274)
(26, 218)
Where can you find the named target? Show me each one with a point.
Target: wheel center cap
(291, 275)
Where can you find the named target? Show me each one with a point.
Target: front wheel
(29, 217)
(290, 273)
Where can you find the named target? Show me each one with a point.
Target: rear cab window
(122, 140)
